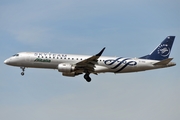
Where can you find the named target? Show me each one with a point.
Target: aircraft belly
(41, 65)
(126, 69)
(136, 68)
(51, 66)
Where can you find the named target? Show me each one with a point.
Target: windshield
(16, 55)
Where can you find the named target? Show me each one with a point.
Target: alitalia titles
(42, 60)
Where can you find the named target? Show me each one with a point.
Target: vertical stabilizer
(162, 51)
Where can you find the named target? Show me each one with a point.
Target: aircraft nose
(6, 61)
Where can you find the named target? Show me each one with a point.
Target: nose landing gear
(23, 69)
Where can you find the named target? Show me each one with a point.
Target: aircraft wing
(88, 64)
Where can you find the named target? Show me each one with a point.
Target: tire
(87, 78)
(22, 73)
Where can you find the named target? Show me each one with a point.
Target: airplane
(73, 65)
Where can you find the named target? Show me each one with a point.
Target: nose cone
(7, 62)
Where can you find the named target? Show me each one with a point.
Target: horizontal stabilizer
(164, 62)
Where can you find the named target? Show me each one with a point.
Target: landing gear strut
(86, 76)
(23, 69)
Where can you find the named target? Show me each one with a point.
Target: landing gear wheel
(86, 76)
(23, 69)
(22, 73)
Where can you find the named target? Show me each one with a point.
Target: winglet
(100, 53)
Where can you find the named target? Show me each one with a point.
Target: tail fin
(162, 51)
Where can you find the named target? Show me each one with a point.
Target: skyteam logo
(163, 50)
(120, 63)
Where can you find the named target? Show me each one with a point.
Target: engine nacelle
(65, 68)
(69, 74)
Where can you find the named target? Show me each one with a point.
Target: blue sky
(129, 28)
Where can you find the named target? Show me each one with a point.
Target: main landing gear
(23, 69)
(86, 76)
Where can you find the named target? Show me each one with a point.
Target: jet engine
(65, 68)
(69, 74)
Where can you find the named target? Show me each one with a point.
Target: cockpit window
(16, 55)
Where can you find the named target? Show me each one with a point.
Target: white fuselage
(73, 65)
(103, 64)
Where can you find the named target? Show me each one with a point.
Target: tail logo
(164, 50)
